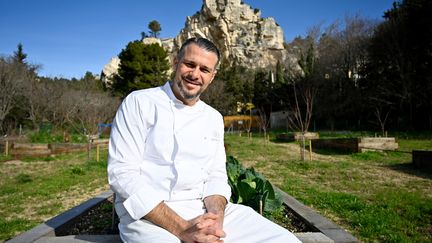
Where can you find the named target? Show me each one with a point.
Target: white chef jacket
(163, 150)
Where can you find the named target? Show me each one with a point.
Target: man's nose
(195, 72)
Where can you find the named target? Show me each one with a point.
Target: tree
(19, 54)
(217, 97)
(141, 66)
(232, 84)
(13, 76)
(331, 60)
(398, 70)
(154, 28)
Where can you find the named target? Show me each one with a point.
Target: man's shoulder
(146, 94)
(214, 113)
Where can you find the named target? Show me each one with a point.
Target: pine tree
(155, 28)
(141, 66)
(19, 54)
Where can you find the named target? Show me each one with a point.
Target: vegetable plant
(250, 188)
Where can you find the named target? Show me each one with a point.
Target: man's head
(195, 68)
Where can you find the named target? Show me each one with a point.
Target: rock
(243, 37)
(151, 40)
(109, 70)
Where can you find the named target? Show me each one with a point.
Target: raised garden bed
(355, 145)
(297, 136)
(22, 149)
(91, 221)
(422, 158)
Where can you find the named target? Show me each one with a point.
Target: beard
(185, 94)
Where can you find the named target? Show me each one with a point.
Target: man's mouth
(191, 82)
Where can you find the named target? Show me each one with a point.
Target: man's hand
(205, 228)
(215, 206)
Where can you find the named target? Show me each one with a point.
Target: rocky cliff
(242, 35)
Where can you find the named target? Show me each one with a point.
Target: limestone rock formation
(109, 70)
(241, 34)
(243, 37)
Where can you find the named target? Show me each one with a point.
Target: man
(167, 163)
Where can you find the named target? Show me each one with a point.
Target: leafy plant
(250, 188)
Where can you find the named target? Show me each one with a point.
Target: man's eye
(189, 65)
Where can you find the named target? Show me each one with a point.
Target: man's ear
(213, 76)
(174, 64)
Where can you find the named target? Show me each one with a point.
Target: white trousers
(241, 225)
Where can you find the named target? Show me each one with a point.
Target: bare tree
(300, 118)
(301, 112)
(382, 111)
(264, 120)
(382, 118)
(13, 75)
(42, 96)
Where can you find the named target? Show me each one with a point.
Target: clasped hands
(206, 228)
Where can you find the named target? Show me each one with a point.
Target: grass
(34, 190)
(378, 197)
(55, 137)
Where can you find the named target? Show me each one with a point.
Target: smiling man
(166, 163)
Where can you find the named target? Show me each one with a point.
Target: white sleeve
(217, 183)
(126, 150)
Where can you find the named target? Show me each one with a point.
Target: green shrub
(51, 137)
(45, 137)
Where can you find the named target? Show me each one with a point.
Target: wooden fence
(241, 123)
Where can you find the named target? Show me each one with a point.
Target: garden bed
(98, 221)
(94, 217)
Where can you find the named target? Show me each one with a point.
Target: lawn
(378, 197)
(34, 190)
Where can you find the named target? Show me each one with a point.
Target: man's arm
(215, 204)
(165, 217)
(194, 230)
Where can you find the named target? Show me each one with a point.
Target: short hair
(202, 43)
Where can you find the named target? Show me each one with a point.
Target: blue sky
(69, 37)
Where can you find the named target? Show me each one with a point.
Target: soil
(99, 221)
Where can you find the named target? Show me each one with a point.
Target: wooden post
(113, 213)
(310, 150)
(302, 147)
(97, 153)
(88, 149)
(261, 206)
(7, 148)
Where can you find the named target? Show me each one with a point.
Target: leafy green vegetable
(250, 188)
